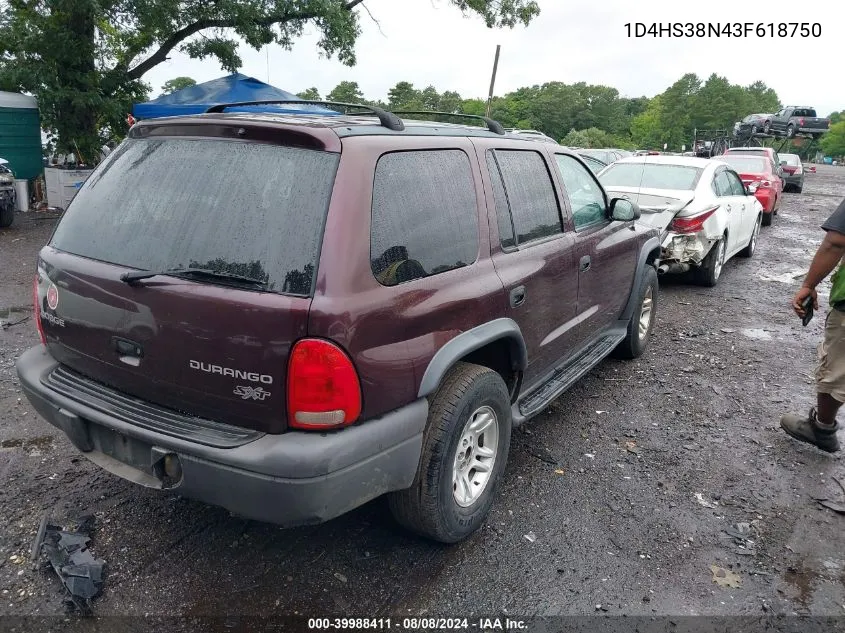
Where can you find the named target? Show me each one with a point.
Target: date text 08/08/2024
(723, 29)
(419, 623)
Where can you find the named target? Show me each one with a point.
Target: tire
(637, 337)
(7, 216)
(710, 271)
(799, 188)
(430, 506)
(790, 131)
(767, 218)
(753, 129)
(767, 127)
(748, 251)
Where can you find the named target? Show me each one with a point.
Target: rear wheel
(465, 448)
(711, 268)
(748, 251)
(799, 188)
(767, 218)
(790, 131)
(754, 129)
(642, 320)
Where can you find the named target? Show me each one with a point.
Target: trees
(85, 59)
(403, 96)
(346, 92)
(833, 143)
(310, 94)
(177, 83)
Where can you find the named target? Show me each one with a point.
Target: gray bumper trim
(291, 479)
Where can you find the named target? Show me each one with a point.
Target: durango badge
(52, 297)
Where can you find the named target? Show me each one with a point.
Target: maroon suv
(289, 315)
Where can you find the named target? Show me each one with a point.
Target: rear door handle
(517, 296)
(585, 264)
(728, 208)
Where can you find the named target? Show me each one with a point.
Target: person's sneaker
(807, 429)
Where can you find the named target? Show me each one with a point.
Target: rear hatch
(213, 344)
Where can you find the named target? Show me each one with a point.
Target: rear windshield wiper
(202, 273)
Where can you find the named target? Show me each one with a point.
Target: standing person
(819, 427)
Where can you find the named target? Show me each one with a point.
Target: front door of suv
(606, 250)
(532, 255)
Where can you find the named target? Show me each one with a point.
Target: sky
(429, 42)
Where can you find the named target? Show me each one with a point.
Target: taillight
(692, 224)
(323, 387)
(801, 122)
(37, 307)
(764, 184)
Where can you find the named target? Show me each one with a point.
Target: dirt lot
(598, 507)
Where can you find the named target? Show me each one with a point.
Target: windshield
(745, 164)
(651, 176)
(601, 155)
(248, 209)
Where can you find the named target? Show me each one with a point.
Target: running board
(566, 376)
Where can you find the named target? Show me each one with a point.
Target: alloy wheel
(646, 312)
(475, 456)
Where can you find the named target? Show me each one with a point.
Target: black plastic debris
(68, 554)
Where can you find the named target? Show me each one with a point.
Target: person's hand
(799, 298)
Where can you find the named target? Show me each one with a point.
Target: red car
(758, 172)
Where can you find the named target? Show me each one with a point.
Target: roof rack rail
(387, 119)
(492, 125)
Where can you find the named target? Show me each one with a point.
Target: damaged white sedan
(705, 213)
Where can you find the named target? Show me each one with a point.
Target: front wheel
(767, 127)
(465, 449)
(711, 268)
(642, 320)
(7, 215)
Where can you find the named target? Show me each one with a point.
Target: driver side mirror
(752, 188)
(622, 210)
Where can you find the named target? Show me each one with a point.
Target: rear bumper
(290, 479)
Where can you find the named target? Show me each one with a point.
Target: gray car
(793, 172)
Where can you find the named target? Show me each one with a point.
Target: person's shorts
(830, 372)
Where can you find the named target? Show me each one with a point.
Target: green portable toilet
(20, 134)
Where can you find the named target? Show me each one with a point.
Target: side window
(586, 197)
(722, 185)
(503, 213)
(528, 192)
(424, 215)
(737, 188)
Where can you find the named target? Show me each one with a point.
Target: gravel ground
(617, 496)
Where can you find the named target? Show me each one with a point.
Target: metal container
(20, 134)
(22, 194)
(62, 185)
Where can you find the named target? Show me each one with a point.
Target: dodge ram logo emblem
(52, 297)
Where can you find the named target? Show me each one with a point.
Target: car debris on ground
(68, 554)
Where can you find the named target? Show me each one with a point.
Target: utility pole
(493, 79)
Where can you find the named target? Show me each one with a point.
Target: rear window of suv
(249, 209)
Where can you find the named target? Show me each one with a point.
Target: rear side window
(249, 209)
(424, 216)
(528, 194)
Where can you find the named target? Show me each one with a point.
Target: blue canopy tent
(232, 89)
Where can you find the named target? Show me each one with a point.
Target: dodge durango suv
(357, 305)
